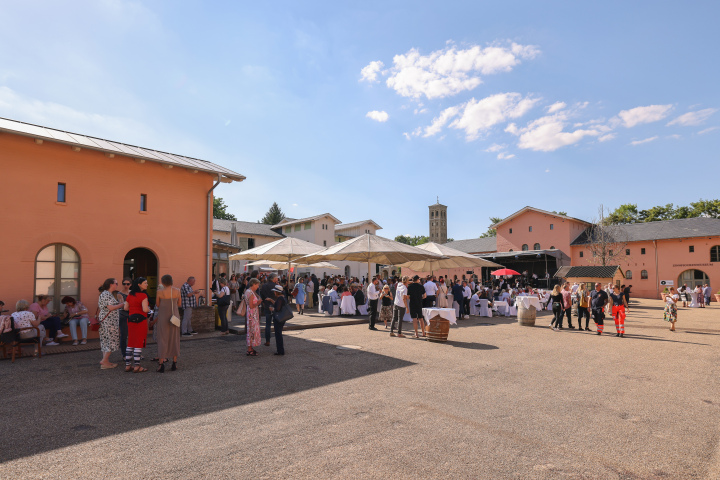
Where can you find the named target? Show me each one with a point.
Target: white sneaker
(51, 344)
(61, 335)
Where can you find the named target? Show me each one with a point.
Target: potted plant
(664, 294)
(717, 297)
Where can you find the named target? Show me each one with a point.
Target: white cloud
(505, 156)
(607, 137)
(645, 140)
(439, 122)
(675, 136)
(448, 71)
(546, 134)
(378, 116)
(294, 204)
(547, 170)
(227, 122)
(707, 130)
(640, 115)
(693, 118)
(556, 106)
(495, 148)
(478, 116)
(370, 72)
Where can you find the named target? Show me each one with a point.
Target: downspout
(208, 250)
(657, 275)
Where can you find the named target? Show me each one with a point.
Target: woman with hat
(76, 312)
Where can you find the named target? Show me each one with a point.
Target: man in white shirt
(472, 284)
(373, 294)
(309, 292)
(467, 294)
(400, 307)
(430, 292)
(334, 297)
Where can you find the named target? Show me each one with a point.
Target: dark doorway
(141, 262)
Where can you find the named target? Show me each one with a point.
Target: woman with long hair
(137, 306)
(108, 316)
(557, 306)
(252, 331)
(583, 307)
(167, 334)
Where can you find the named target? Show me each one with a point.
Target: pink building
(656, 254)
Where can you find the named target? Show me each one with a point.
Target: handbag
(295, 292)
(173, 319)
(223, 301)
(284, 314)
(135, 318)
(242, 308)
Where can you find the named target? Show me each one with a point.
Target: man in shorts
(416, 294)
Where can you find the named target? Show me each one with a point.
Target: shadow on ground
(82, 403)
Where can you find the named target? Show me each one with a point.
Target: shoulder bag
(242, 308)
(173, 319)
(223, 301)
(284, 314)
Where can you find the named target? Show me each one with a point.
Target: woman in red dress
(137, 307)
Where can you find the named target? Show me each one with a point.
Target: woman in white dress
(442, 300)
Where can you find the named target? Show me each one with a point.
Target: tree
(273, 216)
(564, 214)
(658, 213)
(219, 210)
(606, 242)
(706, 208)
(491, 232)
(414, 241)
(624, 214)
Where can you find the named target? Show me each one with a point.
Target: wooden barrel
(526, 316)
(438, 329)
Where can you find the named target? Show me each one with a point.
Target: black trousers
(583, 311)
(568, 314)
(279, 336)
(557, 317)
(466, 306)
(373, 311)
(429, 301)
(222, 312)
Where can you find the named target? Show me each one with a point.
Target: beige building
(230, 236)
(437, 216)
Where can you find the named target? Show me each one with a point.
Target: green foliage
(564, 214)
(273, 216)
(491, 232)
(219, 210)
(414, 241)
(629, 213)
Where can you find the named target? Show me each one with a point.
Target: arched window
(628, 275)
(552, 247)
(511, 250)
(524, 247)
(715, 253)
(536, 246)
(57, 273)
(643, 275)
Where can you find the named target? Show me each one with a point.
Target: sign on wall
(667, 283)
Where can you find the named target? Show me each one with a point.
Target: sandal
(129, 368)
(139, 370)
(252, 354)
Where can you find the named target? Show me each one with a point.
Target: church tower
(438, 223)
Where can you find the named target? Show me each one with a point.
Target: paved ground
(497, 401)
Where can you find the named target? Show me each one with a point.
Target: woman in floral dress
(252, 300)
(109, 319)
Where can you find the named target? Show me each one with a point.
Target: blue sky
(373, 111)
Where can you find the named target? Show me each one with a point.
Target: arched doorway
(693, 278)
(347, 271)
(141, 262)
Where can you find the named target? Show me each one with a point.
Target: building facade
(79, 210)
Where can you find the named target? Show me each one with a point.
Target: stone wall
(203, 319)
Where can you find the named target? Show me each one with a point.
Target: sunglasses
(127, 284)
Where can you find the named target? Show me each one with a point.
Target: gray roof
(666, 229)
(587, 272)
(345, 226)
(291, 221)
(111, 148)
(229, 246)
(475, 245)
(248, 228)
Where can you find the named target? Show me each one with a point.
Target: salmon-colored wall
(101, 219)
(563, 233)
(673, 258)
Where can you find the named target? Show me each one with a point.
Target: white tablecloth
(694, 303)
(527, 301)
(446, 313)
(502, 307)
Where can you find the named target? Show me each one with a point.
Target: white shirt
(310, 287)
(466, 292)
(333, 295)
(372, 292)
(574, 288)
(399, 294)
(472, 285)
(430, 288)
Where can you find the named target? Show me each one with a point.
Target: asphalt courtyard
(496, 401)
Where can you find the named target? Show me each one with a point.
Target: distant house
(232, 236)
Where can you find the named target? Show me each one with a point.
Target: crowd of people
(125, 316)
